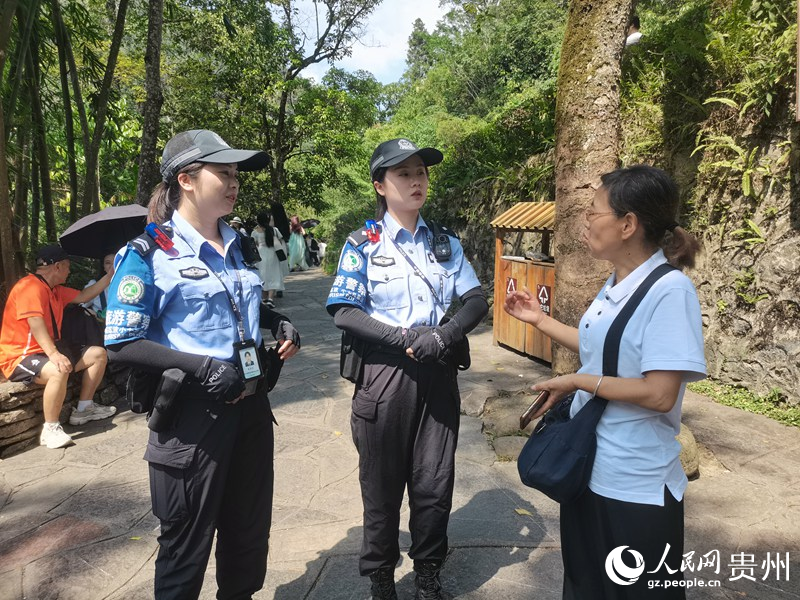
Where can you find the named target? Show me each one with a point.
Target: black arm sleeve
(357, 323)
(467, 317)
(150, 356)
(270, 319)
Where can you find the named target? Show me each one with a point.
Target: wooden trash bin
(515, 272)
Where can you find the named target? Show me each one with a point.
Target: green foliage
(745, 285)
(751, 234)
(752, 50)
(663, 83)
(772, 405)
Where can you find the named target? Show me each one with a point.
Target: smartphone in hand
(526, 417)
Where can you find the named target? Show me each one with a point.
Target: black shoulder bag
(558, 458)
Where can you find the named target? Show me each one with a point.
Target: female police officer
(184, 300)
(395, 281)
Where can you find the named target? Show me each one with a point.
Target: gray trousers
(405, 427)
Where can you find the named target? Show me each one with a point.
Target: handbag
(559, 456)
(280, 254)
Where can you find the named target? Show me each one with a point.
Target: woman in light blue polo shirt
(635, 496)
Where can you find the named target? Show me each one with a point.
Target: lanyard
(235, 307)
(417, 270)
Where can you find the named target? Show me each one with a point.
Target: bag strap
(614, 335)
(56, 333)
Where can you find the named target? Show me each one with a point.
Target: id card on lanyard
(245, 351)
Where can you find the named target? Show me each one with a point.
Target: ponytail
(167, 196)
(680, 248)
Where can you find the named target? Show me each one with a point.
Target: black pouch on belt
(351, 357)
(272, 365)
(165, 407)
(140, 390)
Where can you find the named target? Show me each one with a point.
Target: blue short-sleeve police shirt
(637, 454)
(377, 278)
(180, 298)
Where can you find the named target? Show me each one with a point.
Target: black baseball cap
(202, 145)
(49, 255)
(393, 152)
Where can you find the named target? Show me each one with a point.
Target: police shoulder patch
(130, 289)
(352, 261)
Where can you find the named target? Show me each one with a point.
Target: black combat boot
(427, 580)
(383, 584)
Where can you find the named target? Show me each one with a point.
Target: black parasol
(104, 232)
(309, 223)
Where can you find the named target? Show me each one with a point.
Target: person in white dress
(269, 240)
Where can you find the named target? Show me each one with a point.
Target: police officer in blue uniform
(395, 282)
(185, 307)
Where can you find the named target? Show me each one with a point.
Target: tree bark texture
(148, 168)
(91, 194)
(69, 132)
(9, 274)
(587, 145)
(40, 141)
(21, 182)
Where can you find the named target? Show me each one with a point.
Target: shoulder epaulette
(143, 244)
(358, 237)
(437, 228)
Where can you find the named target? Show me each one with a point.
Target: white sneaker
(94, 413)
(55, 437)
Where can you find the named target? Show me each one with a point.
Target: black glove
(220, 379)
(411, 335)
(430, 346)
(284, 330)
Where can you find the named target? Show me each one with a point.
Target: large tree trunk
(587, 145)
(21, 199)
(68, 119)
(91, 194)
(9, 272)
(77, 95)
(26, 14)
(148, 168)
(35, 196)
(279, 150)
(40, 137)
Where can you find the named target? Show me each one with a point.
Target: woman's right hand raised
(523, 305)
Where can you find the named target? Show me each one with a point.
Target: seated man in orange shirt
(28, 352)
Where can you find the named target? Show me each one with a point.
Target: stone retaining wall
(21, 414)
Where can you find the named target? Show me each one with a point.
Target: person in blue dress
(396, 279)
(634, 502)
(185, 306)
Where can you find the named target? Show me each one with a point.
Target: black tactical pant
(405, 426)
(213, 472)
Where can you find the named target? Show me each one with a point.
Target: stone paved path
(76, 523)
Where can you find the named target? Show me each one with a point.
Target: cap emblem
(405, 145)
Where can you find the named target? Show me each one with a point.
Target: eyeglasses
(591, 215)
